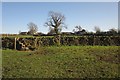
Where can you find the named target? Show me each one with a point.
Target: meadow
(62, 62)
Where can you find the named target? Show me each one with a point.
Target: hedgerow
(35, 42)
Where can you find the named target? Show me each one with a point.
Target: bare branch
(32, 28)
(56, 20)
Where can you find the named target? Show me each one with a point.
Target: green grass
(30, 36)
(62, 62)
(27, 36)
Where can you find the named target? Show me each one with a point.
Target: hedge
(8, 42)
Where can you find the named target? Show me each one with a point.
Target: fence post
(15, 44)
(35, 42)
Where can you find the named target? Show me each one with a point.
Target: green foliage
(62, 62)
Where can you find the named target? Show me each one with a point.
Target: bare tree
(113, 31)
(97, 29)
(32, 28)
(77, 28)
(51, 31)
(56, 21)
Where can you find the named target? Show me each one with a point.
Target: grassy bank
(63, 62)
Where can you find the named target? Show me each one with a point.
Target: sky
(119, 15)
(59, 0)
(16, 15)
(0, 17)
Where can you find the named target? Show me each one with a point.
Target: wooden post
(15, 44)
(59, 38)
(35, 42)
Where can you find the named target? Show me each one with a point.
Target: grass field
(62, 62)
